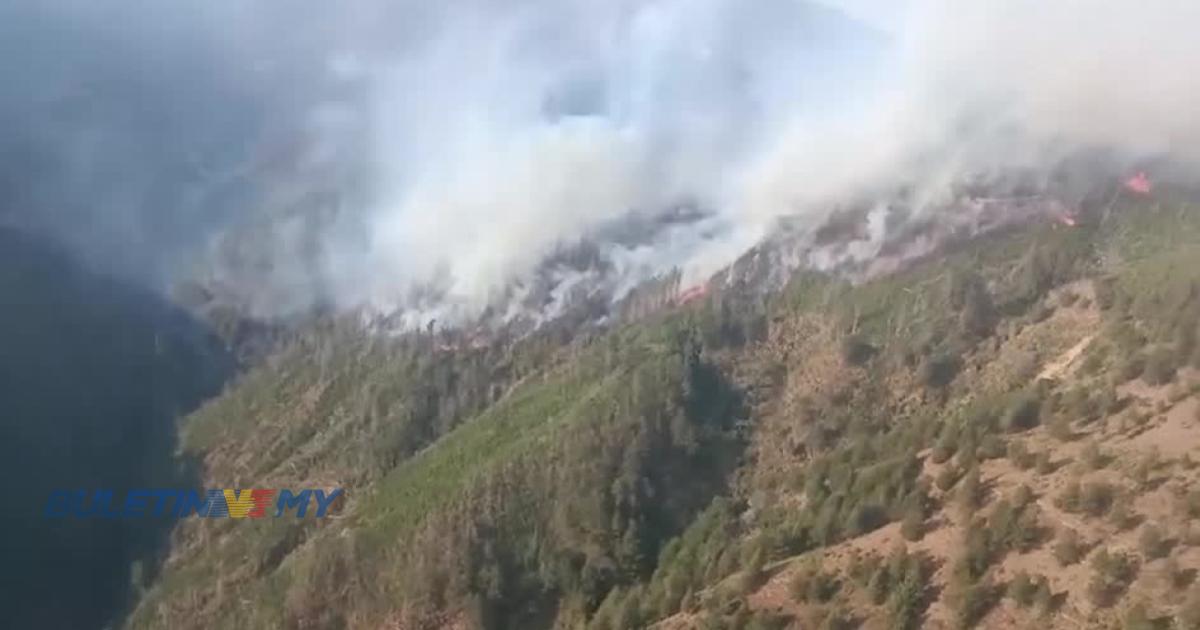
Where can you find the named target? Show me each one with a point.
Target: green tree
(970, 493)
(912, 526)
(906, 602)
(1023, 413)
(879, 585)
(1160, 367)
(754, 573)
(972, 603)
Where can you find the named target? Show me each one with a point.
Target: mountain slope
(702, 459)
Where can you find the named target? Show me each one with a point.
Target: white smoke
(730, 106)
(507, 134)
(430, 157)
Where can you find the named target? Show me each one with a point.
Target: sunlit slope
(701, 460)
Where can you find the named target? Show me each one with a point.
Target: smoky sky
(430, 156)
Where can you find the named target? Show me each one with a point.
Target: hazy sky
(886, 15)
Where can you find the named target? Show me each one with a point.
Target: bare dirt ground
(1160, 423)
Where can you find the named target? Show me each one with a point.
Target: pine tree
(912, 526)
(970, 493)
(754, 572)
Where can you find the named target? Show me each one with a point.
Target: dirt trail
(1061, 366)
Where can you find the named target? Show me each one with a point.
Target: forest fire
(1139, 183)
(693, 294)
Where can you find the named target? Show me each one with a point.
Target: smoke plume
(438, 159)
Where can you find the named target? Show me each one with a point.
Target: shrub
(812, 584)
(862, 568)
(1043, 597)
(1020, 456)
(1022, 589)
(754, 573)
(823, 587)
(1079, 404)
(1189, 535)
(1097, 497)
(838, 619)
(1160, 367)
(947, 478)
(879, 586)
(912, 527)
(1040, 313)
(970, 492)
(1144, 468)
(938, 371)
(1071, 497)
(1125, 336)
(1188, 617)
(1024, 412)
(1138, 618)
(969, 295)
(1022, 496)
(1189, 503)
(1177, 576)
(1027, 532)
(977, 555)
(1014, 526)
(1107, 400)
(1091, 457)
(688, 603)
(629, 613)
(1106, 293)
(1060, 428)
(1129, 368)
(973, 602)
(1121, 516)
(1111, 574)
(1043, 464)
(1093, 361)
(905, 602)
(856, 351)
(1152, 542)
(992, 447)
(866, 518)
(1067, 548)
(941, 453)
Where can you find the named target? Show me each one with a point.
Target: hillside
(1000, 435)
